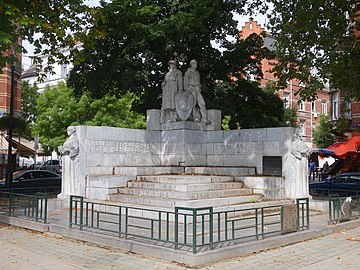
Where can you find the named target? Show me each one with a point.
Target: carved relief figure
(192, 84)
(70, 158)
(299, 165)
(298, 148)
(71, 145)
(173, 82)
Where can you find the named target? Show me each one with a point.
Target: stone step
(171, 203)
(180, 195)
(185, 179)
(185, 187)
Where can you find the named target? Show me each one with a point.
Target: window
(286, 100)
(302, 127)
(47, 76)
(335, 105)
(340, 179)
(313, 106)
(324, 106)
(301, 105)
(347, 109)
(63, 71)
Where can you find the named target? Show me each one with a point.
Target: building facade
(59, 72)
(5, 88)
(308, 113)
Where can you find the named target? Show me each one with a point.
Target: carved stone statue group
(182, 99)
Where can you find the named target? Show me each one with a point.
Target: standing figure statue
(173, 82)
(297, 172)
(70, 164)
(192, 84)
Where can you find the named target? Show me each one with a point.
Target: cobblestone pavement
(23, 249)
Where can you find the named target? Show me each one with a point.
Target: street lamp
(9, 171)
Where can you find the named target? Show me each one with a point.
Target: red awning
(344, 148)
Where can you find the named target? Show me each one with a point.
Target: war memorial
(172, 177)
(183, 139)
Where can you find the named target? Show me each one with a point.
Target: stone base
(153, 122)
(183, 125)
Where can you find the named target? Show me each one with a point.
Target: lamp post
(9, 171)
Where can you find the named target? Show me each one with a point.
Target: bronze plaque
(272, 165)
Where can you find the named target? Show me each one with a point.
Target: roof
(30, 72)
(344, 148)
(270, 42)
(4, 146)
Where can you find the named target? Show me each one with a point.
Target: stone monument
(182, 138)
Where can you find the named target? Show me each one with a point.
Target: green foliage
(58, 109)
(290, 117)
(341, 125)
(225, 122)
(248, 105)
(322, 135)
(59, 24)
(18, 124)
(141, 36)
(315, 42)
(29, 110)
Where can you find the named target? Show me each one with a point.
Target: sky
(26, 60)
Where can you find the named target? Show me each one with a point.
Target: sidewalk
(73, 254)
(25, 249)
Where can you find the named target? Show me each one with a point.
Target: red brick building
(5, 88)
(308, 113)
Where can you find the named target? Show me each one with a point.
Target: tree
(141, 36)
(316, 41)
(248, 105)
(58, 109)
(322, 135)
(48, 25)
(29, 110)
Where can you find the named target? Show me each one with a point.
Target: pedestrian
(325, 167)
(312, 169)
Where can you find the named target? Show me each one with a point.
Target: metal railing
(190, 229)
(343, 208)
(324, 193)
(32, 207)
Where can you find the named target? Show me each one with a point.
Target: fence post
(194, 230)
(71, 211)
(45, 208)
(81, 212)
(10, 203)
(211, 228)
(176, 228)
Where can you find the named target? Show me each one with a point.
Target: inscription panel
(120, 147)
(240, 148)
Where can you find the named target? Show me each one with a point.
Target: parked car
(38, 165)
(33, 181)
(53, 165)
(345, 184)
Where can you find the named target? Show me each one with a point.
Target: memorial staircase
(192, 191)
